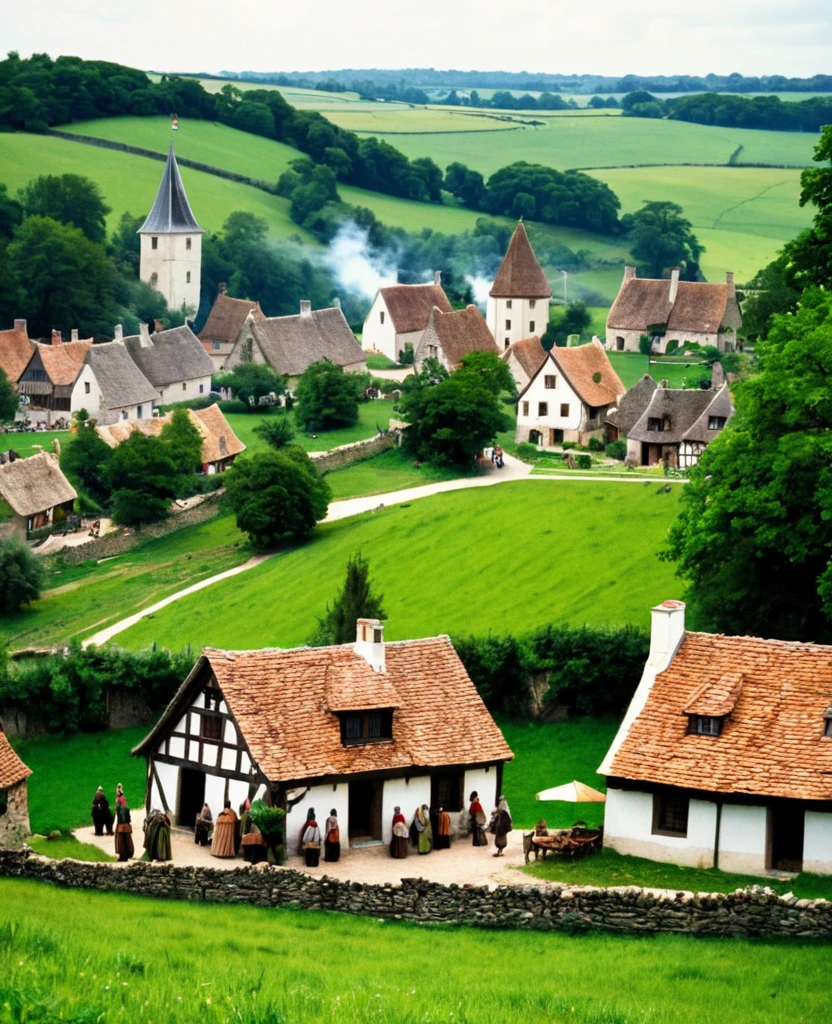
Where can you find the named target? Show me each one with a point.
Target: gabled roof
(218, 439)
(721, 406)
(686, 410)
(286, 702)
(12, 769)
(409, 305)
(520, 275)
(171, 212)
(640, 303)
(63, 362)
(632, 405)
(122, 383)
(170, 356)
(459, 332)
(771, 743)
(15, 352)
(698, 307)
(227, 318)
(529, 353)
(581, 365)
(35, 484)
(291, 343)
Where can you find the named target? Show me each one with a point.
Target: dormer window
(654, 423)
(366, 726)
(717, 422)
(705, 725)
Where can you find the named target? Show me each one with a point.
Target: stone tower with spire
(518, 303)
(171, 243)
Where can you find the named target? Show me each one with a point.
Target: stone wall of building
(14, 823)
(744, 913)
(347, 454)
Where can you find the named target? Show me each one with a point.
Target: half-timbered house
(48, 384)
(359, 727)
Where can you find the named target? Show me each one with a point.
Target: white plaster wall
(631, 339)
(130, 412)
(555, 397)
(323, 799)
(485, 783)
(817, 842)
(521, 378)
(196, 388)
(240, 351)
(742, 839)
(407, 795)
(169, 777)
(525, 319)
(80, 399)
(377, 335)
(215, 793)
(171, 261)
(628, 828)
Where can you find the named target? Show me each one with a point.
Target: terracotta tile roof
(529, 353)
(520, 275)
(210, 422)
(63, 362)
(580, 365)
(632, 405)
(457, 333)
(227, 317)
(15, 352)
(35, 484)
(12, 769)
(292, 343)
(285, 702)
(772, 741)
(409, 305)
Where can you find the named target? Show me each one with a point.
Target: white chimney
(369, 643)
(74, 334)
(20, 325)
(118, 333)
(674, 284)
(629, 273)
(305, 307)
(336, 303)
(437, 277)
(144, 336)
(667, 628)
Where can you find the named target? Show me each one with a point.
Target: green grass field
(84, 956)
(371, 416)
(631, 367)
(507, 557)
(392, 470)
(28, 444)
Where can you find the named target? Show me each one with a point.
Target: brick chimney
(144, 336)
(56, 337)
(629, 273)
(118, 332)
(20, 325)
(305, 307)
(74, 334)
(437, 277)
(674, 284)
(369, 643)
(729, 280)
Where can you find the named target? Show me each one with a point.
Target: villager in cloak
(225, 832)
(398, 842)
(102, 816)
(252, 842)
(332, 837)
(311, 841)
(424, 829)
(157, 836)
(478, 821)
(124, 830)
(310, 816)
(501, 825)
(204, 826)
(443, 830)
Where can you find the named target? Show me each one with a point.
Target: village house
(677, 425)
(112, 387)
(518, 303)
(524, 359)
(673, 310)
(16, 349)
(359, 727)
(36, 493)
(623, 417)
(569, 397)
(14, 799)
(173, 361)
(224, 324)
(449, 337)
(48, 384)
(399, 315)
(290, 344)
(220, 445)
(724, 757)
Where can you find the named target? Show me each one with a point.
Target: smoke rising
(354, 266)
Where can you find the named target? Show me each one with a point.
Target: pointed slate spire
(171, 212)
(520, 276)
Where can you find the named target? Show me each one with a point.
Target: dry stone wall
(745, 913)
(347, 454)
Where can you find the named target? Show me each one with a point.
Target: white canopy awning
(574, 793)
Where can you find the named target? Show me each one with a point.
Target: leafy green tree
(277, 432)
(21, 576)
(11, 213)
(660, 237)
(143, 478)
(252, 381)
(70, 199)
(326, 397)
(572, 319)
(125, 245)
(184, 443)
(355, 601)
(489, 370)
(85, 460)
(277, 495)
(755, 527)
(8, 399)
(467, 185)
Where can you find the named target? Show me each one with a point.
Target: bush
(568, 445)
(584, 462)
(617, 450)
(672, 347)
(595, 444)
(21, 576)
(526, 451)
(327, 397)
(272, 823)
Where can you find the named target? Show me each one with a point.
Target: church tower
(518, 303)
(171, 259)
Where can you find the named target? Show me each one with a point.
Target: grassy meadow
(84, 956)
(631, 367)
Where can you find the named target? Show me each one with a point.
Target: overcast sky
(752, 37)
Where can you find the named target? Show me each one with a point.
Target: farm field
(632, 366)
(31, 443)
(618, 528)
(96, 956)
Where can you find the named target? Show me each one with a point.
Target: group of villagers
(119, 824)
(230, 833)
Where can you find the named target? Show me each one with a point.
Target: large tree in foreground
(660, 237)
(754, 533)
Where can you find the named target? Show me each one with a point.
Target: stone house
(290, 344)
(112, 387)
(724, 757)
(360, 727)
(518, 303)
(569, 397)
(677, 425)
(173, 361)
(16, 349)
(524, 359)
(34, 489)
(673, 310)
(48, 384)
(399, 315)
(14, 798)
(220, 445)
(449, 337)
(224, 324)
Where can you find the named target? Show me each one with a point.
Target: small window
(542, 408)
(86, 387)
(717, 422)
(366, 726)
(188, 277)
(381, 316)
(531, 303)
(828, 729)
(550, 381)
(508, 325)
(374, 726)
(215, 345)
(184, 385)
(704, 725)
(564, 409)
(670, 814)
(508, 303)
(531, 326)
(139, 412)
(154, 243)
(4, 801)
(507, 343)
(202, 389)
(154, 280)
(124, 414)
(654, 423)
(525, 408)
(210, 728)
(188, 244)
(352, 727)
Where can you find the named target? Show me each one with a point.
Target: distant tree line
(766, 112)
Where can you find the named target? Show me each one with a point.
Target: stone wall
(745, 913)
(14, 823)
(347, 454)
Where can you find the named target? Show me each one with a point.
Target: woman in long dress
(501, 820)
(424, 829)
(225, 832)
(398, 841)
(102, 816)
(443, 830)
(204, 826)
(157, 836)
(477, 814)
(311, 841)
(332, 838)
(124, 830)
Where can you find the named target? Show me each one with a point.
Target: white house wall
(561, 394)
(176, 267)
(628, 829)
(169, 777)
(86, 394)
(742, 839)
(526, 316)
(817, 842)
(323, 799)
(407, 795)
(379, 332)
(184, 391)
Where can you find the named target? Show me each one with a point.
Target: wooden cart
(578, 841)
